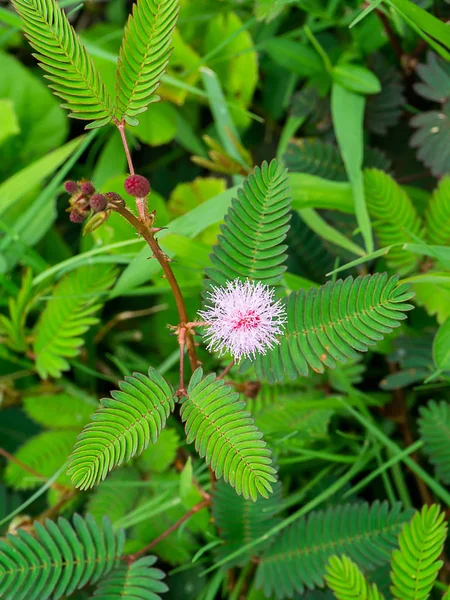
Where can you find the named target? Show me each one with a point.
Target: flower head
(243, 319)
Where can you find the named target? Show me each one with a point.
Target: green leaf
(144, 56)
(70, 69)
(26, 180)
(437, 214)
(41, 124)
(435, 76)
(136, 580)
(434, 427)
(226, 129)
(327, 325)
(45, 453)
(434, 296)
(314, 156)
(384, 110)
(432, 139)
(347, 110)
(255, 227)
(310, 191)
(229, 50)
(9, 124)
(158, 125)
(294, 56)
(347, 582)
(356, 79)
(122, 428)
(441, 347)
(68, 315)
(415, 566)
(58, 559)
(66, 410)
(241, 521)
(395, 218)
(423, 20)
(226, 436)
(298, 558)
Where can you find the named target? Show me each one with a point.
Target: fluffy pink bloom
(243, 319)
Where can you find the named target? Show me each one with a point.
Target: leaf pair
(142, 62)
(414, 567)
(215, 419)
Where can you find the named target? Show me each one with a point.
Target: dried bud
(115, 198)
(87, 188)
(77, 216)
(98, 202)
(71, 187)
(137, 186)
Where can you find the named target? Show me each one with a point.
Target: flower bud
(137, 186)
(87, 188)
(98, 202)
(77, 216)
(71, 187)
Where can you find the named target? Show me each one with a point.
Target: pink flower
(243, 319)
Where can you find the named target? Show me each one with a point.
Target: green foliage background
(301, 143)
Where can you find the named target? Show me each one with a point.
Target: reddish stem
(203, 504)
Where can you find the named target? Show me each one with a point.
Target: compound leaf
(225, 434)
(328, 325)
(61, 54)
(144, 56)
(122, 428)
(58, 559)
(415, 565)
(434, 427)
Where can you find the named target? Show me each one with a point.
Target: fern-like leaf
(250, 245)
(327, 325)
(394, 217)
(59, 559)
(434, 426)
(67, 410)
(61, 54)
(316, 157)
(45, 453)
(225, 434)
(135, 581)
(347, 582)
(415, 565)
(241, 521)
(437, 215)
(122, 428)
(299, 556)
(144, 55)
(68, 315)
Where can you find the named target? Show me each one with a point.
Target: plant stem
(30, 470)
(121, 128)
(226, 370)
(147, 233)
(388, 29)
(203, 504)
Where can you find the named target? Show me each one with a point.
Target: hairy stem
(203, 504)
(147, 233)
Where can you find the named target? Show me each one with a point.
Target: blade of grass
(361, 461)
(321, 227)
(347, 110)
